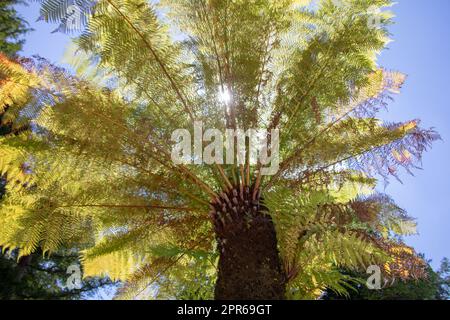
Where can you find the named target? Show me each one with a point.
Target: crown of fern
(94, 168)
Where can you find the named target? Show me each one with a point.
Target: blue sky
(421, 49)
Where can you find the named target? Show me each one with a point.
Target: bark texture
(249, 264)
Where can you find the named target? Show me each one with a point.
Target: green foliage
(34, 276)
(43, 279)
(434, 287)
(12, 28)
(95, 170)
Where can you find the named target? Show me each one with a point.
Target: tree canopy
(94, 169)
(34, 276)
(12, 29)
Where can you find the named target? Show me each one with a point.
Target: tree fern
(94, 169)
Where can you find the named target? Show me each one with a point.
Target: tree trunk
(249, 263)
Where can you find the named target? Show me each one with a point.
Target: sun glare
(224, 95)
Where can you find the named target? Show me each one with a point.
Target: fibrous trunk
(249, 264)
